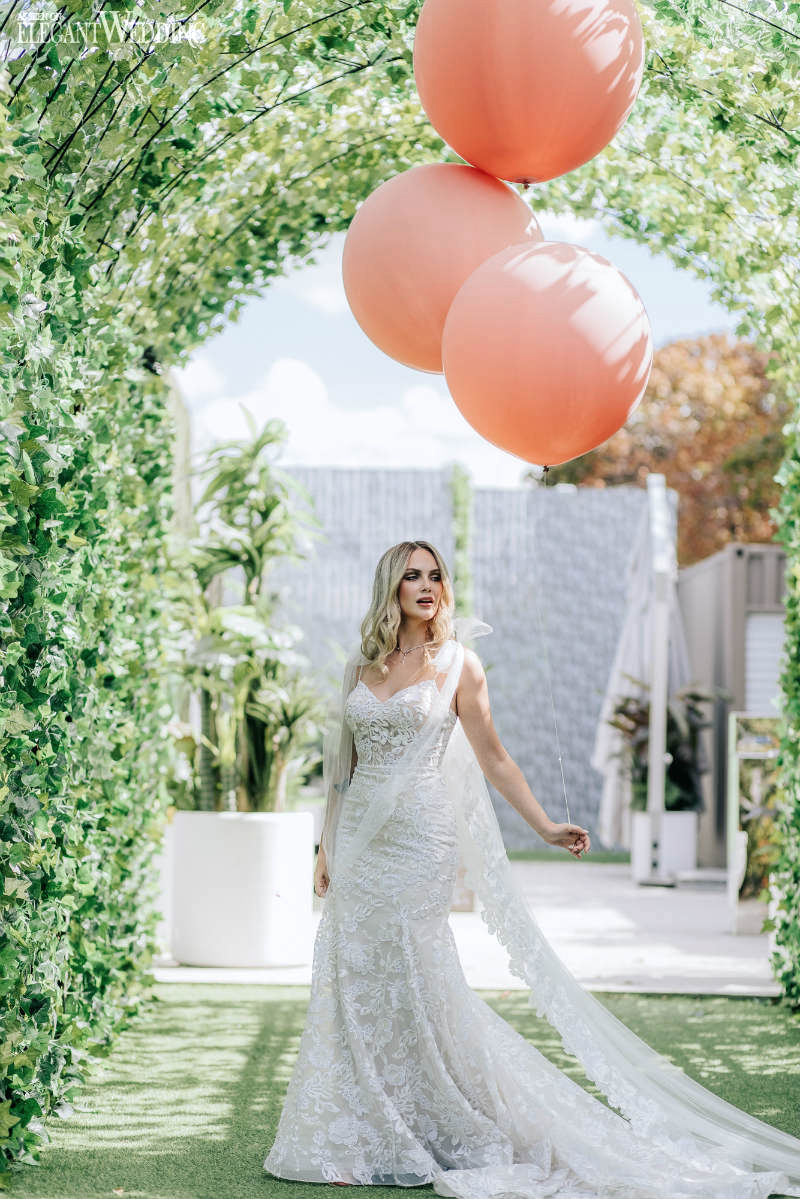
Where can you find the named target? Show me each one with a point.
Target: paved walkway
(614, 935)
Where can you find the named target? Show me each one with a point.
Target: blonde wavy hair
(380, 625)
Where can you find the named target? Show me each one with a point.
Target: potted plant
(686, 763)
(241, 861)
(754, 796)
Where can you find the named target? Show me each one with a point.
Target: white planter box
(317, 811)
(678, 849)
(242, 888)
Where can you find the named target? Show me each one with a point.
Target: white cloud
(327, 298)
(423, 429)
(291, 391)
(320, 283)
(563, 226)
(199, 379)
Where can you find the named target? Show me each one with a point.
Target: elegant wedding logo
(41, 23)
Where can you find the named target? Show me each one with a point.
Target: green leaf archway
(159, 166)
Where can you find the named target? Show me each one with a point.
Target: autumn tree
(711, 422)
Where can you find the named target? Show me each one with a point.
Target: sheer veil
(658, 1099)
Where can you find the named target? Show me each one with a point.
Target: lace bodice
(383, 728)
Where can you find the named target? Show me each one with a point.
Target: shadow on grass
(188, 1103)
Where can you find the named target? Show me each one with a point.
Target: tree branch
(757, 16)
(97, 145)
(687, 84)
(725, 209)
(91, 111)
(55, 28)
(65, 145)
(264, 112)
(53, 92)
(9, 14)
(296, 179)
(163, 122)
(265, 46)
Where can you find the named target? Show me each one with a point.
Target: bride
(404, 1076)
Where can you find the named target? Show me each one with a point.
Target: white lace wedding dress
(404, 1075)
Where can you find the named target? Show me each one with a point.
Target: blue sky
(298, 353)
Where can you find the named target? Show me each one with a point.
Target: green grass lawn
(594, 856)
(187, 1105)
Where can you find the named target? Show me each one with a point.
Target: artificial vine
(150, 186)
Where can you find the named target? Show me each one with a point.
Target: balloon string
(547, 659)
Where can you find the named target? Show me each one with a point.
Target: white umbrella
(652, 560)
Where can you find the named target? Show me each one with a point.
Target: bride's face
(420, 589)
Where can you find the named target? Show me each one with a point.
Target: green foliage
(685, 721)
(149, 187)
(786, 871)
(262, 710)
(757, 801)
(251, 513)
(265, 712)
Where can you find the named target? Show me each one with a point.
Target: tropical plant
(758, 803)
(265, 714)
(259, 714)
(251, 513)
(279, 732)
(685, 759)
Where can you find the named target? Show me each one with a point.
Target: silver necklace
(406, 652)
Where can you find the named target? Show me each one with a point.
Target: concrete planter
(678, 843)
(242, 888)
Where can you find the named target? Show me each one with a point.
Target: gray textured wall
(580, 538)
(362, 513)
(556, 556)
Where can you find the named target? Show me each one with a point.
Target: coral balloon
(547, 351)
(412, 244)
(527, 91)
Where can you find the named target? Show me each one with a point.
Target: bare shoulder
(472, 672)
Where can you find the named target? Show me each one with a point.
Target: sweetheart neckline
(399, 691)
(378, 699)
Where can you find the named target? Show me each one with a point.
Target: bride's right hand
(321, 878)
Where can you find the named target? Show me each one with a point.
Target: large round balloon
(547, 350)
(412, 244)
(527, 91)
